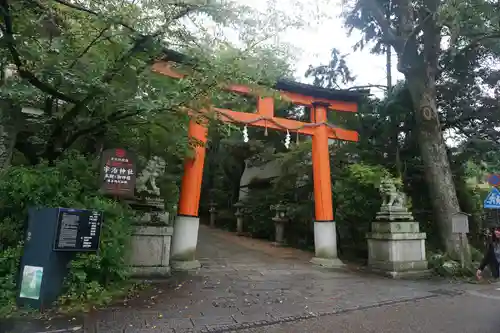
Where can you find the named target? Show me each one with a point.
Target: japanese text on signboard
(118, 173)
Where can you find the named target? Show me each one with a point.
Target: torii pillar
(325, 234)
(187, 222)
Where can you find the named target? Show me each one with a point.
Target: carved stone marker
(396, 247)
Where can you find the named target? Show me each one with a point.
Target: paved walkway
(247, 284)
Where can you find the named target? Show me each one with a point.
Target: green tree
(82, 81)
(88, 68)
(415, 30)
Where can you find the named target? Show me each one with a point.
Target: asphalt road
(472, 312)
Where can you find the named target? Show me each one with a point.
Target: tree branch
(8, 32)
(91, 129)
(419, 28)
(107, 77)
(87, 49)
(390, 33)
(91, 12)
(119, 64)
(475, 43)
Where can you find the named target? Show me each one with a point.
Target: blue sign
(494, 180)
(493, 199)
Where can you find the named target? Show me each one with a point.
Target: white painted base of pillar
(325, 245)
(329, 263)
(325, 240)
(184, 243)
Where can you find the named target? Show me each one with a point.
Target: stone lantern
(280, 219)
(212, 210)
(239, 217)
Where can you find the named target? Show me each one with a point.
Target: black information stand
(53, 235)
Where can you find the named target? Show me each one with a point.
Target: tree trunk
(9, 128)
(7, 142)
(435, 158)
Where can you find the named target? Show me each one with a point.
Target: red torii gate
(185, 236)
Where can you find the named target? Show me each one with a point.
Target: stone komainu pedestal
(151, 241)
(396, 247)
(151, 251)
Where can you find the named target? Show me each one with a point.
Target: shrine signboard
(118, 173)
(77, 230)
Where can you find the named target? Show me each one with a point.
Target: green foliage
(460, 80)
(91, 275)
(357, 186)
(354, 186)
(71, 183)
(258, 218)
(444, 266)
(85, 69)
(329, 76)
(9, 267)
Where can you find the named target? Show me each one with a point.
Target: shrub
(441, 264)
(356, 200)
(91, 275)
(72, 182)
(9, 265)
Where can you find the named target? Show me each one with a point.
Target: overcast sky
(316, 41)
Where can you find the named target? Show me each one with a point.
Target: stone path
(247, 283)
(249, 286)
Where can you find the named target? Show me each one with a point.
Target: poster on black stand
(78, 230)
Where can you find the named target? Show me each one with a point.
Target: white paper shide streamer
(245, 134)
(287, 139)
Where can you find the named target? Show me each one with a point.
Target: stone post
(280, 219)
(239, 217)
(213, 212)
